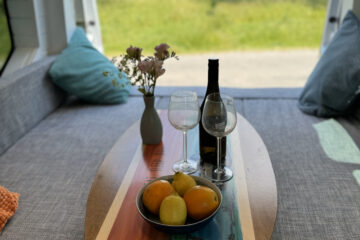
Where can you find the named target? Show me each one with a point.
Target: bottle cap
(213, 61)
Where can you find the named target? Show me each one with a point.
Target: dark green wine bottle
(207, 142)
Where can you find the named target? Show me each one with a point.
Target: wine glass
(219, 120)
(184, 114)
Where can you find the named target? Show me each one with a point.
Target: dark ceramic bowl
(191, 224)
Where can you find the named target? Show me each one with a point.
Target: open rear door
(87, 17)
(336, 12)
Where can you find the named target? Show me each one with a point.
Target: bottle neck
(213, 78)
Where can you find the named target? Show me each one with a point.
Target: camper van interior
(81, 149)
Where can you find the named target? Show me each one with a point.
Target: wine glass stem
(185, 146)
(218, 153)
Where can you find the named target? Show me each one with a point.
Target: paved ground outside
(248, 69)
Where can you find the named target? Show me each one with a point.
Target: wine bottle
(207, 142)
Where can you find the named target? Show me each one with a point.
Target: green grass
(190, 26)
(5, 41)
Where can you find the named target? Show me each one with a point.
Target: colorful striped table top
(249, 198)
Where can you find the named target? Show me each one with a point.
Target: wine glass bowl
(184, 111)
(221, 115)
(219, 120)
(184, 114)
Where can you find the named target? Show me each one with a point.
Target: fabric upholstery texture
(80, 68)
(26, 97)
(317, 197)
(336, 142)
(53, 167)
(334, 84)
(54, 164)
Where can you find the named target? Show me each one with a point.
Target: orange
(201, 202)
(154, 193)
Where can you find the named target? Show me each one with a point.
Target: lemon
(173, 210)
(182, 182)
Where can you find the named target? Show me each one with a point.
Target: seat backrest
(26, 96)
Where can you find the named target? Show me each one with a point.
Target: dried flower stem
(144, 71)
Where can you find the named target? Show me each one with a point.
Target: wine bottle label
(206, 149)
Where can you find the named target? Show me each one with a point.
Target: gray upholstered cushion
(26, 97)
(239, 93)
(53, 166)
(318, 198)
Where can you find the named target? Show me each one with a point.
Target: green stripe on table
(226, 223)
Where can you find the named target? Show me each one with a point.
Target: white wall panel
(20, 8)
(25, 41)
(23, 26)
(40, 28)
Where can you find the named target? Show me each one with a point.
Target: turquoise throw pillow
(333, 86)
(80, 68)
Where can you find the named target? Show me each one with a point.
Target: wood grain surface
(260, 179)
(116, 185)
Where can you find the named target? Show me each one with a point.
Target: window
(6, 45)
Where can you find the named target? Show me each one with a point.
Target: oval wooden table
(111, 212)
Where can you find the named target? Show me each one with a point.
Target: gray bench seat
(53, 163)
(53, 166)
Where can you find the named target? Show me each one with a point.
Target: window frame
(50, 25)
(11, 38)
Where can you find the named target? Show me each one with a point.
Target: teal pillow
(333, 86)
(79, 70)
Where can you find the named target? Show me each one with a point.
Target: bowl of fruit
(179, 203)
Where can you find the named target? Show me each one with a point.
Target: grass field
(5, 41)
(191, 26)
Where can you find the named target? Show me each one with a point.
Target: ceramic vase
(150, 125)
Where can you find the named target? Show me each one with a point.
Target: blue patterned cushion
(333, 86)
(79, 70)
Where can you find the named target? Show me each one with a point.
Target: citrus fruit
(154, 193)
(182, 182)
(173, 210)
(201, 202)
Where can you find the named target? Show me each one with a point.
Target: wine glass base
(223, 175)
(188, 167)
